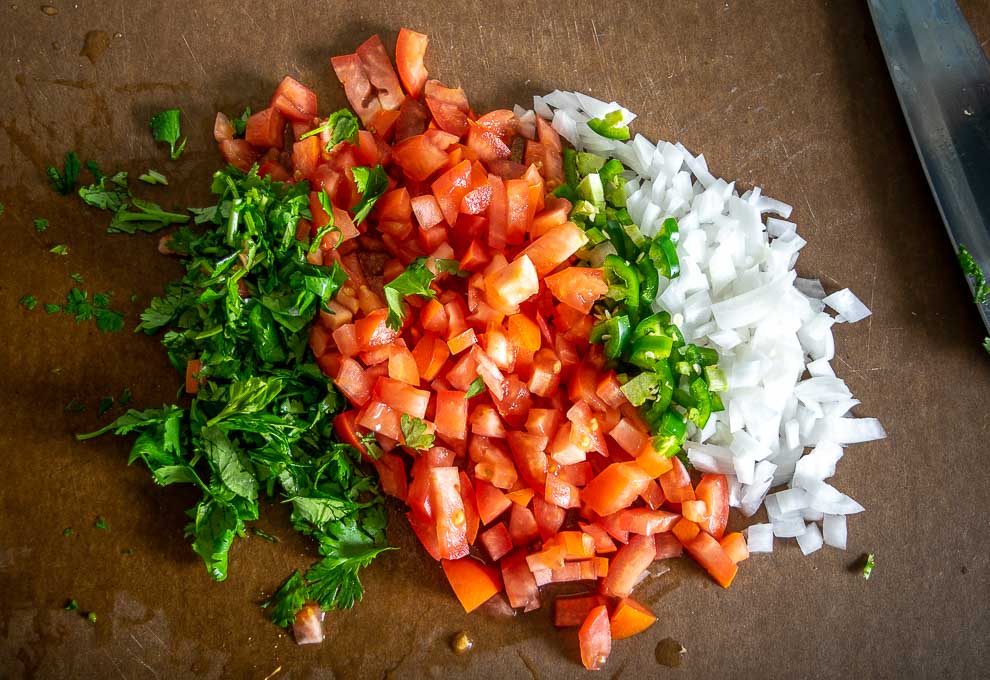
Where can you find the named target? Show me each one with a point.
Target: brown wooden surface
(791, 96)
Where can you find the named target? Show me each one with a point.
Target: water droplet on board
(670, 652)
(461, 643)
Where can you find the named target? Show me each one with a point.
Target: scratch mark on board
(193, 55)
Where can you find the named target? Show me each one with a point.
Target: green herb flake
(868, 566)
(415, 280)
(165, 128)
(264, 535)
(476, 387)
(414, 433)
(981, 291)
(67, 531)
(125, 397)
(74, 406)
(28, 302)
(240, 123)
(372, 183)
(52, 308)
(154, 177)
(40, 224)
(65, 182)
(343, 126)
(91, 617)
(106, 403)
(101, 523)
(2, 209)
(71, 606)
(60, 249)
(77, 277)
(371, 446)
(107, 193)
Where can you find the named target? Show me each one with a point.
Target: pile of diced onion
(738, 293)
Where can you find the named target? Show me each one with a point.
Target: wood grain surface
(792, 96)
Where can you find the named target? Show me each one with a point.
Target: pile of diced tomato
(547, 474)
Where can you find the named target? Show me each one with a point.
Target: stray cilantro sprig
(28, 302)
(154, 177)
(415, 280)
(981, 291)
(165, 128)
(106, 403)
(78, 305)
(261, 422)
(342, 125)
(414, 433)
(101, 523)
(65, 182)
(476, 387)
(40, 224)
(60, 249)
(112, 193)
(372, 183)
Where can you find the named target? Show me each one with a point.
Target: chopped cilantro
(60, 249)
(153, 177)
(74, 406)
(868, 566)
(67, 531)
(78, 305)
(65, 182)
(415, 280)
(240, 123)
(76, 276)
(165, 128)
(343, 126)
(28, 302)
(981, 291)
(414, 433)
(107, 193)
(71, 605)
(986, 344)
(372, 183)
(40, 224)
(106, 403)
(101, 523)
(476, 387)
(52, 308)
(2, 208)
(264, 535)
(125, 397)
(91, 617)
(288, 600)
(371, 445)
(149, 217)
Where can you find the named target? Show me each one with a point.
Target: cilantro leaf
(149, 217)
(986, 344)
(981, 291)
(2, 209)
(215, 525)
(28, 302)
(414, 433)
(106, 403)
(343, 126)
(240, 123)
(415, 280)
(371, 446)
(40, 224)
(288, 600)
(60, 249)
(165, 128)
(449, 267)
(101, 523)
(868, 566)
(476, 387)
(226, 460)
(107, 193)
(65, 182)
(52, 308)
(372, 183)
(153, 177)
(71, 605)
(125, 397)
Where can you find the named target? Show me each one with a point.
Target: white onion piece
(834, 531)
(811, 540)
(759, 538)
(790, 526)
(849, 307)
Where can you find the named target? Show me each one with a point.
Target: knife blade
(942, 79)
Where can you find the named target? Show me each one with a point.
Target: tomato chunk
(595, 637)
(410, 48)
(294, 100)
(473, 583)
(714, 491)
(630, 618)
(578, 287)
(628, 565)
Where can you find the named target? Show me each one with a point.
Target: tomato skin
(520, 586)
(223, 129)
(449, 107)
(381, 75)
(372, 331)
(496, 541)
(413, 119)
(451, 419)
(294, 100)
(595, 638)
(471, 517)
(707, 552)
(631, 439)
(410, 48)
(473, 583)
(603, 542)
(615, 488)
(630, 618)
(714, 491)
(555, 247)
(676, 483)
(668, 546)
(628, 565)
(647, 522)
(402, 365)
(578, 287)
(266, 129)
(510, 286)
(498, 217)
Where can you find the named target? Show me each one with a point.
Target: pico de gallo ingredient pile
(525, 405)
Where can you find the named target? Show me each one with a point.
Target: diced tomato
(450, 188)
(646, 522)
(486, 422)
(353, 383)
(653, 495)
(239, 153)
(630, 618)
(223, 129)
(491, 501)
(448, 512)
(652, 462)
(555, 247)
(510, 286)
(417, 157)
(631, 439)
(423, 528)
(357, 86)
(427, 210)
(381, 418)
(451, 419)
(392, 474)
(473, 583)
(410, 48)
(615, 488)
(543, 422)
(462, 341)
(578, 287)
(266, 129)
(522, 526)
(496, 541)
(294, 100)
(492, 463)
(603, 543)
(471, 518)
(449, 107)
(668, 546)
(275, 170)
(585, 429)
(193, 367)
(578, 474)
(545, 378)
(561, 493)
(528, 452)
(372, 331)
(413, 119)
(707, 552)
(554, 214)
(551, 557)
(577, 545)
(380, 73)
(430, 354)
(735, 547)
(498, 217)
(402, 397)
(520, 585)
(714, 491)
(595, 638)
(676, 483)
(382, 127)
(569, 612)
(549, 518)
(402, 365)
(694, 511)
(628, 565)
(521, 496)
(685, 530)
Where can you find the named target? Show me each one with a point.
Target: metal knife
(942, 78)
